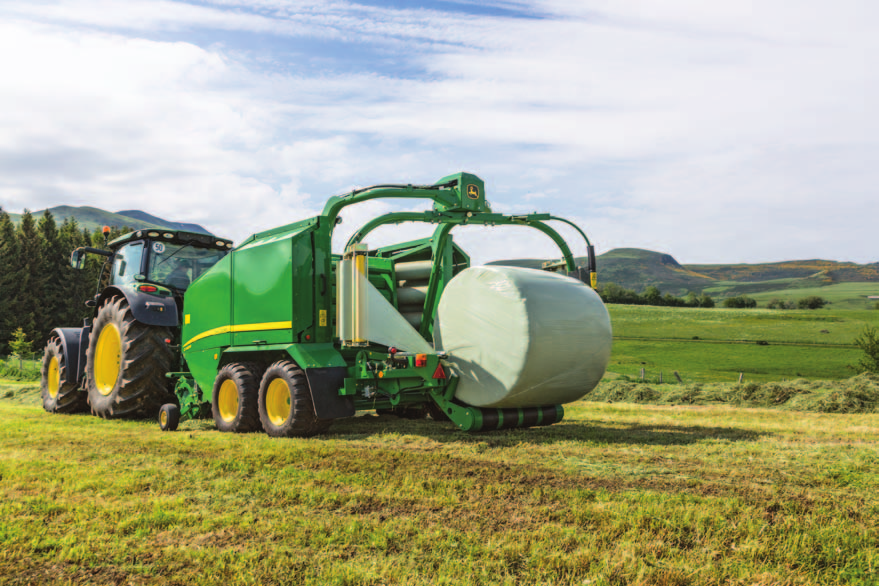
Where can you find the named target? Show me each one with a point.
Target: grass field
(616, 494)
(842, 295)
(717, 344)
(848, 296)
(11, 368)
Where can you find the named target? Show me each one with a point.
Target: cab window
(127, 263)
(177, 265)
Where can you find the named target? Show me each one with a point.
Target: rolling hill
(634, 268)
(95, 218)
(846, 284)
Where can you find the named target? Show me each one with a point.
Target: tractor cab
(170, 259)
(147, 259)
(115, 363)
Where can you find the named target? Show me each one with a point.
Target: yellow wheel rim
(163, 418)
(278, 401)
(108, 358)
(227, 401)
(54, 376)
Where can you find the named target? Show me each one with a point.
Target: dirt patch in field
(26, 571)
(500, 496)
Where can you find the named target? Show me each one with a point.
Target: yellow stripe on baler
(264, 327)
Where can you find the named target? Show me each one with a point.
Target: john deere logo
(472, 191)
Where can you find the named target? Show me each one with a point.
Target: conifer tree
(79, 284)
(27, 304)
(8, 290)
(54, 288)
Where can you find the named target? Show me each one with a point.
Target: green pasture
(705, 361)
(615, 494)
(852, 296)
(821, 326)
(717, 344)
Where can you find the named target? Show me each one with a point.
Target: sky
(717, 132)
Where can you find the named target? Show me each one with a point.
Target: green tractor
(116, 364)
(284, 336)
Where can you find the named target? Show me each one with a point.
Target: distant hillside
(95, 218)
(829, 270)
(636, 269)
(145, 217)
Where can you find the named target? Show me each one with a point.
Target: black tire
(59, 396)
(140, 386)
(169, 417)
(285, 405)
(234, 406)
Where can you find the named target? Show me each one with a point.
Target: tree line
(613, 293)
(39, 290)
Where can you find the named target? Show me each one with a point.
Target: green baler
(288, 336)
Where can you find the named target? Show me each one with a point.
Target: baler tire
(286, 408)
(142, 358)
(59, 396)
(169, 417)
(234, 398)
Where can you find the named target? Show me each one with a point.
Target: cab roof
(174, 237)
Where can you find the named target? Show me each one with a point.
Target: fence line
(27, 363)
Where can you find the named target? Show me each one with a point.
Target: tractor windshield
(177, 265)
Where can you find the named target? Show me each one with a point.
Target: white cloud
(717, 132)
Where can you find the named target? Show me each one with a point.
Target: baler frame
(346, 377)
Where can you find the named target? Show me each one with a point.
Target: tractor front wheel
(126, 363)
(169, 417)
(285, 405)
(234, 404)
(58, 396)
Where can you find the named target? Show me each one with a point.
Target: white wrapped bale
(522, 337)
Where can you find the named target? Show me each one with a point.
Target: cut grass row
(859, 394)
(615, 494)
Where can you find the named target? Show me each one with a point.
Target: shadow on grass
(598, 432)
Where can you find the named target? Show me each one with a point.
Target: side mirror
(76, 258)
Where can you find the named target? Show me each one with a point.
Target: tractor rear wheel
(285, 405)
(126, 363)
(58, 396)
(234, 403)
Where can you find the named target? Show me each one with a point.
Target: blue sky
(722, 131)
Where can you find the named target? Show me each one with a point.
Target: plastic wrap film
(363, 314)
(522, 337)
